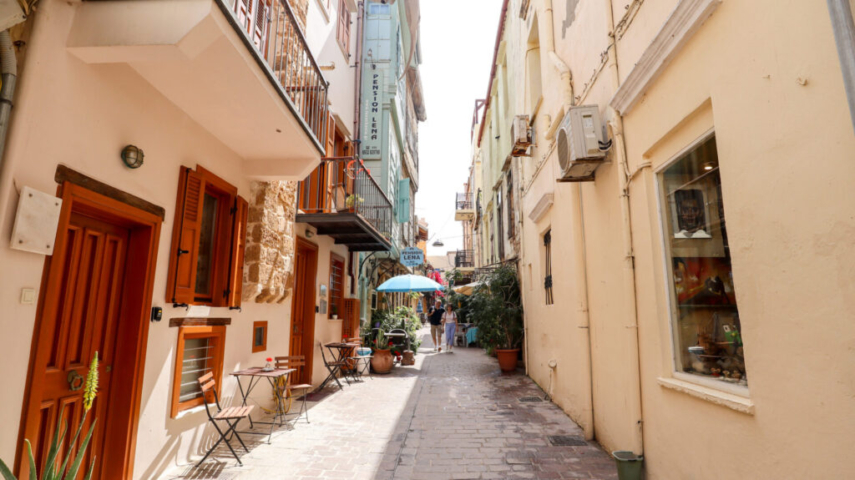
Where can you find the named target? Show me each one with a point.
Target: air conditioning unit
(521, 136)
(580, 144)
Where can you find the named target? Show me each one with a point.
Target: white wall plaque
(36, 222)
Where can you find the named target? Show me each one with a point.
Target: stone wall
(269, 265)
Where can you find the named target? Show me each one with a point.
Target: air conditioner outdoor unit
(521, 136)
(579, 142)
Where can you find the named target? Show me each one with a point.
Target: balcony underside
(464, 215)
(349, 229)
(194, 54)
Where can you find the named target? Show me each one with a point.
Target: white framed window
(705, 326)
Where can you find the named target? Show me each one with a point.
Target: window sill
(729, 400)
(190, 411)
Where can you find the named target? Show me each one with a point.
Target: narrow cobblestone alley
(451, 416)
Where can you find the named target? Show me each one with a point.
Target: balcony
(464, 259)
(343, 201)
(464, 207)
(241, 69)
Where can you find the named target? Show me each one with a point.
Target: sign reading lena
(373, 116)
(412, 257)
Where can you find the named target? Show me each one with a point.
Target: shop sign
(412, 257)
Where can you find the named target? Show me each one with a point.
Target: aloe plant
(53, 470)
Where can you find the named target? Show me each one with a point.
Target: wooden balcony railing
(343, 185)
(272, 29)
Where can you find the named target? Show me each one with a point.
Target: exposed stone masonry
(269, 261)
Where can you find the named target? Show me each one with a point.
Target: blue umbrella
(409, 283)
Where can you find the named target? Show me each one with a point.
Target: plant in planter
(381, 360)
(353, 200)
(496, 309)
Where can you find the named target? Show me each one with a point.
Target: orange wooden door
(85, 321)
(303, 306)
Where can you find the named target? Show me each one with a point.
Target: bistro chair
(295, 362)
(359, 364)
(230, 415)
(334, 366)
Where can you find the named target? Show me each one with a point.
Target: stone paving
(451, 416)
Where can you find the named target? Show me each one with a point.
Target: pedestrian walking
(435, 319)
(449, 319)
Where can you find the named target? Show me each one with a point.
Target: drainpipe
(580, 270)
(567, 95)
(9, 75)
(357, 90)
(844, 37)
(629, 287)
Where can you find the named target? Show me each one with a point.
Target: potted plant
(496, 309)
(381, 360)
(353, 200)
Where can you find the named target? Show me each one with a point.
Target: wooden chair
(230, 415)
(295, 362)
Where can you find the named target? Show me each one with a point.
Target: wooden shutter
(403, 200)
(330, 152)
(350, 325)
(187, 227)
(235, 285)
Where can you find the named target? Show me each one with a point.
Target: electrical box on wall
(580, 145)
(36, 222)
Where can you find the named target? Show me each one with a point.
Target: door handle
(75, 381)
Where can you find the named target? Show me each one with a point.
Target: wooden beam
(64, 174)
(199, 322)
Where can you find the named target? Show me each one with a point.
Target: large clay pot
(507, 359)
(381, 362)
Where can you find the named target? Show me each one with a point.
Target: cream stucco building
(690, 300)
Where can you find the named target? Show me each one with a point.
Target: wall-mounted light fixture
(708, 166)
(309, 233)
(133, 156)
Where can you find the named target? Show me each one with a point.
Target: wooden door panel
(303, 307)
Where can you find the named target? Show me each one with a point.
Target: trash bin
(628, 465)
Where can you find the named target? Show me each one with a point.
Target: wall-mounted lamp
(708, 166)
(309, 233)
(133, 156)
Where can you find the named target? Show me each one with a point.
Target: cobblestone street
(451, 416)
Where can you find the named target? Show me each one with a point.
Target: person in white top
(449, 319)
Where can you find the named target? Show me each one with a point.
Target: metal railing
(464, 259)
(272, 29)
(344, 185)
(463, 201)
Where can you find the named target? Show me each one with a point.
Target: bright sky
(457, 50)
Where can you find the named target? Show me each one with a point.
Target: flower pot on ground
(508, 359)
(382, 361)
(496, 309)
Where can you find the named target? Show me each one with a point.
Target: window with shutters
(200, 351)
(343, 30)
(510, 206)
(208, 242)
(336, 286)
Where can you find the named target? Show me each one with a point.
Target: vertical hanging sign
(373, 116)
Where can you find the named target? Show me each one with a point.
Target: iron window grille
(547, 279)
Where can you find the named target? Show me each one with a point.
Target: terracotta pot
(381, 362)
(507, 359)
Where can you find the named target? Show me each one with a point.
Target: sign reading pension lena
(412, 257)
(373, 115)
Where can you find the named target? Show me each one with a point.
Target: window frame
(218, 333)
(668, 271)
(228, 242)
(343, 28)
(255, 326)
(336, 299)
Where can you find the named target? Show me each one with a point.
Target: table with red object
(256, 374)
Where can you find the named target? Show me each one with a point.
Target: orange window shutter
(235, 288)
(184, 256)
(350, 325)
(330, 136)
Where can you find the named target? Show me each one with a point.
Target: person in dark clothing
(435, 318)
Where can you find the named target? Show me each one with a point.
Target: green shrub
(496, 308)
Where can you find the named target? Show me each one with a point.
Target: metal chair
(229, 414)
(358, 364)
(334, 366)
(295, 362)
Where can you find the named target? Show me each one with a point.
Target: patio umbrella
(409, 283)
(466, 289)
